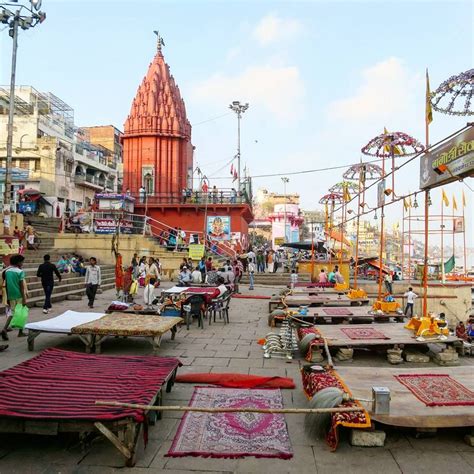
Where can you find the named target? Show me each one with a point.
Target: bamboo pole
(464, 235)
(425, 257)
(228, 409)
(356, 269)
(410, 275)
(443, 276)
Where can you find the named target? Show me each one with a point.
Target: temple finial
(159, 40)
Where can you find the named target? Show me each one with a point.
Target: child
(293, 279)
(149, 293)
(251, 269)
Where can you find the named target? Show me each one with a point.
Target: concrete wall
(452, 299)
(100, 246)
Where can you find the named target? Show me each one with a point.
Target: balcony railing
(89, 181)
(226, 196)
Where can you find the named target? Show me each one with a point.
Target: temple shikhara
(158, 162)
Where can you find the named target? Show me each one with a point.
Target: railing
(129, 224)
(81, 179)
(227, 196)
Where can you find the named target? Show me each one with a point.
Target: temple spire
(159, 40)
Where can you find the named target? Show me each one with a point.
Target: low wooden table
(396, 334)
(325, 300)
(405, 409)
(127, 325)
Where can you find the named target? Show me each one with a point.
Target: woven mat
(436, 390)
(338, 312)
(363, 333)
(233, 435)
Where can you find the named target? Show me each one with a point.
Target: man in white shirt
(184, 277)
(251, 256)
(410, 295)
(196, 276)
(93, 280)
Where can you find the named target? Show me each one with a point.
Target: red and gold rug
(314, 382)
(363, 333)
(233, 434)
(436, 390)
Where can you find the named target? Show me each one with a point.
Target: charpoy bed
(127, 325)
(93, 328)
(56, 391)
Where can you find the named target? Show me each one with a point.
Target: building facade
(53, 156)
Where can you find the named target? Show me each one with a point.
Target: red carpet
(363, 333)
(436, 390)
(59, 384)
(237, 380)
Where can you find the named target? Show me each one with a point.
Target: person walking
(201, 266)
(388, 283)
(293, 279)
(93, 280)
(31, 236)
(251, 269)
(410, 295)
(16, 292)
(276, 262)
(270, 261)
(46, 272)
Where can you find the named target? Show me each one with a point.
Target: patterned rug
(337, 311)
(233, 435)
(436, 390)
(314, 382)
(363, 333)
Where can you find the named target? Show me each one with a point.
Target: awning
(49, 200)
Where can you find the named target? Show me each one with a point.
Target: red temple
(158, 163)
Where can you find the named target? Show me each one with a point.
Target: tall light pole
(239, 109)
(25, 17)
(285, 181)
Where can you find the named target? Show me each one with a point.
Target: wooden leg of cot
(174, 329)
(32, 335)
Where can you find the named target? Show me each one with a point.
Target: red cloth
(314, 382)
(237, 380)
(59, 384)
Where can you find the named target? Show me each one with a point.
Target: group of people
(230, 273)
(72, 263)
(333, 277)
(28, 238)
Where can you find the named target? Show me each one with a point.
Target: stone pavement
(217, 349)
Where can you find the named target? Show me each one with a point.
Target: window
(24, 164)
(148, 183)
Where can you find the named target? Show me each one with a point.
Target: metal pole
(239, 116)
(11, 116)
(442, 242)
(284, 209)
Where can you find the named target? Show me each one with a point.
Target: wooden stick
(326, 348)
(229, 410)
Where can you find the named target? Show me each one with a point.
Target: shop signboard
(448, 162)
(196, 251)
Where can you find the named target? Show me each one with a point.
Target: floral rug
(363, 333)
(233, 435)
(313, 382)
(436, 390)
(337, 312)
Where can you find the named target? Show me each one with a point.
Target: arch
(79, 171)
(148, 184)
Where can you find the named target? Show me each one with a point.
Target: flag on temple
(455, 204)
(428, 110)
(449, 265)
(235, 175)
(445, 198)
(463, 200)
(386, 147)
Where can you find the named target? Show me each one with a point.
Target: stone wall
(100, 246)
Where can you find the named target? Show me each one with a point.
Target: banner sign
(218, 227)
(27, 207)
(109, 226)
(457, 154)
(196, 251)
(458, 225)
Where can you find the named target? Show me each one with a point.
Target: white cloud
(272, 28)
(233, 53)
(279, 89)
(387, 91)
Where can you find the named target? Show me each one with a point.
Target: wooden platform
(405, 409)
(319, 315)
(328, 299)
(396, 333)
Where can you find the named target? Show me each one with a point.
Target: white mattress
(176, 289)
(64, 322)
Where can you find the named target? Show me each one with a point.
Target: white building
(51, 155)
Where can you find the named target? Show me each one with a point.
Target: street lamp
(26, 15)
(285, 181)
(239, 109)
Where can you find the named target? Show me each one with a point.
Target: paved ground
(216, 349)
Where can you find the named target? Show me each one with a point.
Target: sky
(321, 77)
